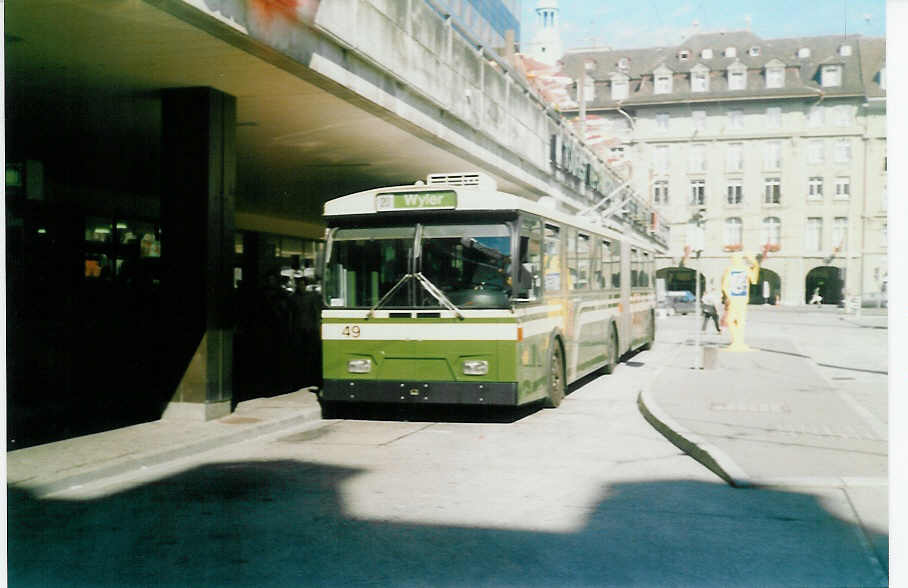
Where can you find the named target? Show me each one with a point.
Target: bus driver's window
(528, 270)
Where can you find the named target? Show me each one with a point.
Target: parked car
(681, 301)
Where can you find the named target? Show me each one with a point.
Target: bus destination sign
(439, 199)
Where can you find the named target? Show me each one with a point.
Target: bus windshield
(469, 263)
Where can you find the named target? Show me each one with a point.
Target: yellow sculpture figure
(735, 282)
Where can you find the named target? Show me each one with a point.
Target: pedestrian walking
(709, 302)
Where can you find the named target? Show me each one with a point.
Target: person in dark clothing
(710, 302)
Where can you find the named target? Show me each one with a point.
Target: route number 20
(349, 331)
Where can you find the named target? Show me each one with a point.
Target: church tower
(546, 46)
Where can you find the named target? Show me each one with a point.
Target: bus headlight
(475, 367)
(359, 366)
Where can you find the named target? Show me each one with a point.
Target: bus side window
(644, 270)
(612, 253)
(583, 263)
(528, 280)
(635, 268)
(552, 266)
(599, 268)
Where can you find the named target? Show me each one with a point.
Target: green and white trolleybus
(452, 292)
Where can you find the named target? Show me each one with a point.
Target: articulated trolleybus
(452, 292)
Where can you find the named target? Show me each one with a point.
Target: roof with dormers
(860, 69)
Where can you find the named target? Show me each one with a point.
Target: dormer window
(699, 78)
(775, 74)
(706, 54)
(803, 53)
(619, 86)
(731, 52)
(662, 80)
(754, 51)
(623, 63)
(737, 79)
(684, 55)
(831, 75)
(844, 50)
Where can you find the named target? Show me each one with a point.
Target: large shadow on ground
(284, 523)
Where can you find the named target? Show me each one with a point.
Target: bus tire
(650, 332)
(609, 367)
(555, 380)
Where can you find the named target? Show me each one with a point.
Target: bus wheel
(556, 377)
(650, 332)
(612, 351)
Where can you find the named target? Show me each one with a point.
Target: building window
(697, 192)
(734, 232)
(735, 119)
(845, 50)
(842, 189)
(775, 77)
(619, 88)
(699, 81)
(814, 234)
(842, 152)
(803, 53)
(772, 231)
(754, 51)
(623, 63)
(684, 55)
(660, 158)
(697, 159)
(772, 155)
(660, 192)
(816, 116)
(772, 191)
(706, 54)
(840, 233)
(736, 80)
(731, 52)
(662, 121)
(663, 84)
(815, 188)
(844, 115)
(699, 118)
(774, 117)
(815, 151)
(734, 157)
(735, 192)
(831, 75)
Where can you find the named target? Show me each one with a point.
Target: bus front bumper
(490, 393)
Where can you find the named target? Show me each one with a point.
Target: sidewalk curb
(707, 454)
(310, 416)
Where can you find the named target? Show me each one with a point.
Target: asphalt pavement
(768, 417)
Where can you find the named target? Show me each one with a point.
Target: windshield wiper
(437, 294)
(428, 286)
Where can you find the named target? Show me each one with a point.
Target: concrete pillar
(198, 166)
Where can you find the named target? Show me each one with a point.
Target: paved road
(585, 495)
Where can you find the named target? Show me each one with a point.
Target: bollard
(710, 357)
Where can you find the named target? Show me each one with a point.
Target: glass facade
(488, 20)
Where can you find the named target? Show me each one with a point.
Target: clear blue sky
(650, 23)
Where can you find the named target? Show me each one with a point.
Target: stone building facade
(780, 144)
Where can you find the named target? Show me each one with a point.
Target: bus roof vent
(467, 180)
